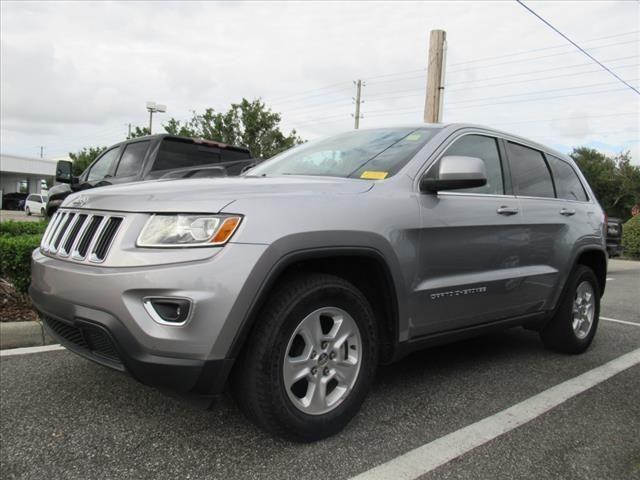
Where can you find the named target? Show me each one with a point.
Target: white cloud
(74, 74)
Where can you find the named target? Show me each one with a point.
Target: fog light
(168, 311)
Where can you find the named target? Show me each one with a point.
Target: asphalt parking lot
(64, 417)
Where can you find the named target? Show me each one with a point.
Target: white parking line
(432, 455)
(620, 321)
(23, 351)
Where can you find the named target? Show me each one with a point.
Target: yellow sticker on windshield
(413, 137)
(373, 175)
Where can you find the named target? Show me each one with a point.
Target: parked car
(614, 237)
(291, 283)
(13, 201)
(148, 158)
(35, 203)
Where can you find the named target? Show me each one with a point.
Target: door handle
(567, 212)
(504, 210)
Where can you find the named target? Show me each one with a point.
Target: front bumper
(98, 312)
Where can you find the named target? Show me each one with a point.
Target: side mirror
(455, 172)
(64, 172)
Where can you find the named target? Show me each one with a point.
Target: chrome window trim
(469, 194)
(525, 197)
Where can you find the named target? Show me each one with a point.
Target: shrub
(15, 259)
(631, 237)
(13, 228)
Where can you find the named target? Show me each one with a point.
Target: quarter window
(568, 184)
(485, 148)
(103, 165)
(132, 158)
(529, 171)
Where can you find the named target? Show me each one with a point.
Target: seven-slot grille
(80, 235)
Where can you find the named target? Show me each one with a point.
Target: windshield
(371, 154)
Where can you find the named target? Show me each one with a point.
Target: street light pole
(153, 107)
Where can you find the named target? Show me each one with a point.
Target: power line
(392, 96)
(544, 120)
(535, 92)
(546, 48)
(542, 78)
(383, 112)
(422, 70)
(578, 46)
(520, 60)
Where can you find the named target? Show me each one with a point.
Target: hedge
(15, 259)
(13, 228)
(631, 237)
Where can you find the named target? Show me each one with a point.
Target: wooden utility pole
(435, 76)
(356, 116)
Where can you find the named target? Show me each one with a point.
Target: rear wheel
(310, 362)
(572, 328)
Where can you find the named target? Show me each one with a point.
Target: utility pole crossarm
(435, 77)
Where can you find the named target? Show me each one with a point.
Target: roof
(452, 127)
(203, 141)
(29, 165)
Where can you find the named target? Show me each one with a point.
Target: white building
(26, 174)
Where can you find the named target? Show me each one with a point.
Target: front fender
(303, 246)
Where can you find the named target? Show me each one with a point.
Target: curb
(22, 334)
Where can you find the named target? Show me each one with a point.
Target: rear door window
(529, 172)
(179, 154)
(132, 158)
(568, 184)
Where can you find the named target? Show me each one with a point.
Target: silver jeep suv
(290, 284)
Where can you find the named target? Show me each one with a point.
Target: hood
(208, 195)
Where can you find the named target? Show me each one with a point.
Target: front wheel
(27, 211)
(573, 326)
(309, 364)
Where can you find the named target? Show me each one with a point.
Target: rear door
(470, 246)
(550, 225)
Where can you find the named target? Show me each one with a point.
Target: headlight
(178, 230)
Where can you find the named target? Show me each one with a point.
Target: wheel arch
(596, 260)
(365, 267)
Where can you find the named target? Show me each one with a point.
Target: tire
(568, 332)
(28, 211)
(42, 212)
(266, 394)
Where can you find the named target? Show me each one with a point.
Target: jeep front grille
(80, 235)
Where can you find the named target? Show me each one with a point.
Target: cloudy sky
(75, 74)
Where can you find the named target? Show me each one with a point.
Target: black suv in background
(149, 158)
(614, 237)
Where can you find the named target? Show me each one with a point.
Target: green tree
(138, 132)
(248, 123)
(614, 180)
(82, 159)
